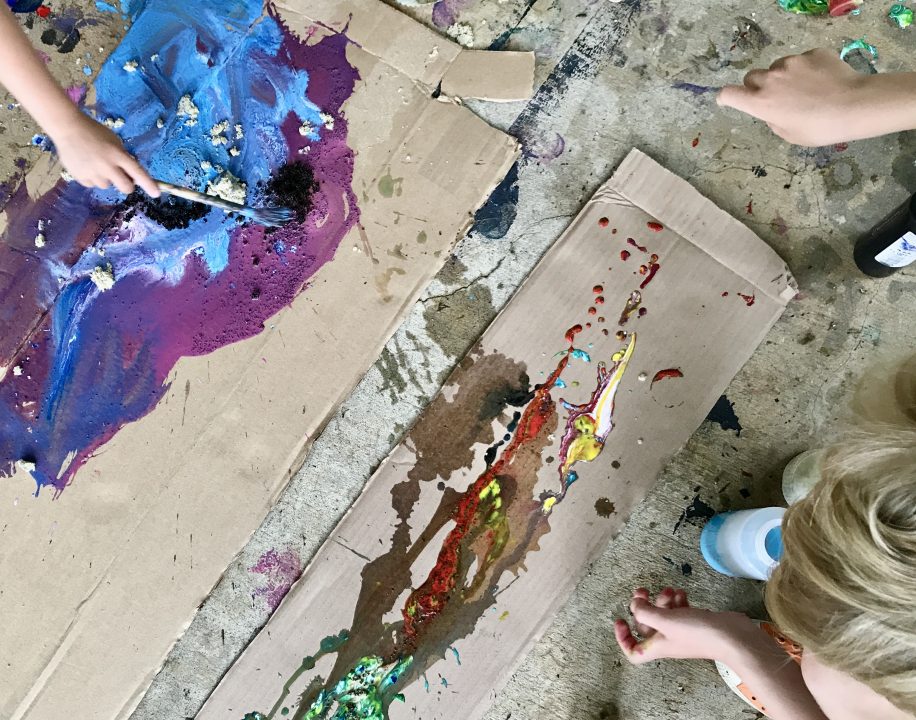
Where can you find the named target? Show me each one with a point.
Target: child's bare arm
(90, 152)
(817, 99)
(672, 629)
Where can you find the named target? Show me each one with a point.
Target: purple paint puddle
(280, 571)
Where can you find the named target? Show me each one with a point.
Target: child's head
(846, 586)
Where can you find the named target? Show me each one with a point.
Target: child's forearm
(774, 677)
(887, 104)
(26, 77)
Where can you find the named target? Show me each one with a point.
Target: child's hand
(810, 99)
(95, 157)
(672, 629)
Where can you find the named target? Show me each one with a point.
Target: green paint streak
(390, 186)
(364, 693)
(330, 644)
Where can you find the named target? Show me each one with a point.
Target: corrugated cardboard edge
(418, 52)
(642, 182)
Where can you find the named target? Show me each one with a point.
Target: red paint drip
(426, 602)
(655, 227)
(653, 268)
(598, 289)
(572, 332)
(841, 147)
(613, 231)
(588, 325)
(601, 318)
(43, 11)
(725, 294)
(750, 207)
(604, 332)
(624, 254)
(642, 311)
(667, 373)
(603, 222)
(637, 245)
(599, 300)
(593, 311)
(748, 299)
(696, 141)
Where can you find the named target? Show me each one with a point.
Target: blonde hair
(846, 586)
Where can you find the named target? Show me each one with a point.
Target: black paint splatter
(497, 214)
(759, 171)
(723, 414)
(292, 186)
(696, 513)
(171, 212)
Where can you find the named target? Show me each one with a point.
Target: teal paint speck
(444, 681)
(87, 70)
(559, 382)
(455, 653)
(581, 355)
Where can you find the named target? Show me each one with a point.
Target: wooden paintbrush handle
(200, 197)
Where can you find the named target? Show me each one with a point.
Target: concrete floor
(606, 74)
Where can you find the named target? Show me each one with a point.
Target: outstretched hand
(671, 628)
(95, 157)
(810, 99)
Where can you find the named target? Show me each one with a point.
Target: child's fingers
(631, 647)
(647, 615)
(739, 97)
(121, 180)
(680, 599)
(665, 598)
(140, 176)
(640, 595)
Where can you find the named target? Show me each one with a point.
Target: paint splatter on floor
(696, 513)
(723, 414)
(280, 570)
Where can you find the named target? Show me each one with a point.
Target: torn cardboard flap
(486, 75)
(423, 54)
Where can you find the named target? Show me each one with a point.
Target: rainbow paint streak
(491, 524)
(81, 362)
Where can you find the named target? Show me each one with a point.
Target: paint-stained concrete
(610, 77)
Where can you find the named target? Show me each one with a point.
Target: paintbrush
(273, 217)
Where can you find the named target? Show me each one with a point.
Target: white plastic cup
(744, 543)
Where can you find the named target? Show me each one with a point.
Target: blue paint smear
(695, 89)
(581, 355)
(236, 78)
(559, 382)
(105, 7)
(498, 213)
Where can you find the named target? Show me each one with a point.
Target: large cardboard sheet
(101, 577)
(477, 527)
